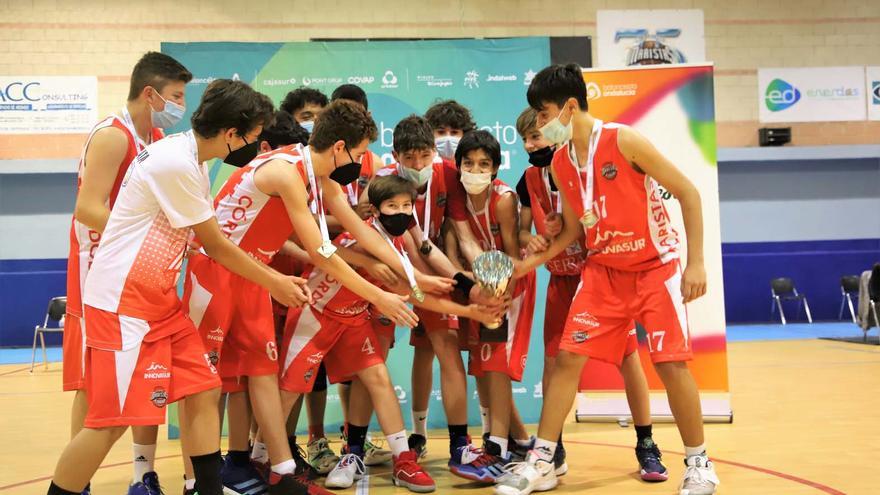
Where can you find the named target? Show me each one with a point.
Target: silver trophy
(493, 271)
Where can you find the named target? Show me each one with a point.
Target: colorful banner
(674, 107)
(48, 104)
(649, 37)
(811, 94)
(400, 78)
(872, 83)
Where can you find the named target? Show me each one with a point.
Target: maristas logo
(780, 95)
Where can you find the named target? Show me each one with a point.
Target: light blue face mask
(169, 116)
(446, 146)
(308, 125)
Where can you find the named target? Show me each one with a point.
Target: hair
(299, 97)
(156, 70)
(478, 140)
(556, 84)
(350, 92)
(345, 120)
(386, 187)
(229, 104)
(526, 121)
(450, 113)
(284, 131)
(413, 133)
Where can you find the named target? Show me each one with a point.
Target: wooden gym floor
(806, 422)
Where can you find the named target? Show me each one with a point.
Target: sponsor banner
(48, 104)
(650, 37)
(872, 84)
(811, 94)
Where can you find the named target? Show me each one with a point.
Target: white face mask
(446, 146)
(419, 177)
(475, 183)
(555, 132)
(308, 125)
(169, 116)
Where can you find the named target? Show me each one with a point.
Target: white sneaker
(374, 454)
(699, 477)
(522, 478)
(349, 469)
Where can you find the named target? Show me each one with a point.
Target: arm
(508, 221)
(642, 154)
(525, 225)
(484, 314)
(467, 243)
(436, 259)
(104, 156)
(293, 250)
(451, 244)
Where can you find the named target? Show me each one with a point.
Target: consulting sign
(47, 104)
(811, 94)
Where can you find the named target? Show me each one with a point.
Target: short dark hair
(229, 104)
(450, 113)
(351, 92)
(386, 187)
(478, 140)
(526, 121)
(283, 131)
(156, 70)
(297, 99)
(413, 133)
(345, 120)
(557, 83)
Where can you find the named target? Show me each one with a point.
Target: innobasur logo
(780, 95)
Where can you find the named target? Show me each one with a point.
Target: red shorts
(560, 293)
(609, 300)
(382, 326)
(234, 317)
(507, 357)
(132, 386)
(311, 338)
(73, 349)
(431, 322)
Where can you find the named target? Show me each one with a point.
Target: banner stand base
(610, 407)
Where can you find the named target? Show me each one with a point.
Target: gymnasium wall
(105, 38)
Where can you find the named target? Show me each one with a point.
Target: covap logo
(780, 95)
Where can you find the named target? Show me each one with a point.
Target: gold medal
(327, 249)
(589, 220)
(418, 294)
(425, 248)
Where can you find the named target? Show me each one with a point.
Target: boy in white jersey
(142, 352)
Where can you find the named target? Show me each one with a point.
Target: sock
(357, 436)
(544, 449)
(420, 423)
(144, 457)
(484, 417)
(695, 451)
(57, 490)
(207, 473)
(316, 432)
(501, 442)
(238, 458)
(457, 437)
(643, 432)
(286, 467)
(189, 484)
(523, 443)
(260, 453)
(398, 442)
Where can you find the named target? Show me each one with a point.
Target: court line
(14, 371)
(47, 478)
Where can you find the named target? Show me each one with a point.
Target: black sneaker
(559, 463)
(649, 457)
(288, 484)
(419, 444)
(304, 471)
(519, 452)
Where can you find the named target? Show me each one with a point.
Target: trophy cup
(493, 271)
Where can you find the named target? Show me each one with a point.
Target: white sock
(286, 467)
(484, 417)
(523, 443)
(420, 423)
(502, 442)
(544, 449)
(695, 451)
(397, 442)
(144, 457)
(189, 484)
(260, 453)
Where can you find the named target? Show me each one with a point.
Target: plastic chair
(54, 313)
(783, 289)
(849, 287)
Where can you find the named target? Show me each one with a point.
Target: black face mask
(242, 156)
(542, 157)
(347, 173)
(396, 224)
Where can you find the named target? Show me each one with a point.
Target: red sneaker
(407, 473)
(290, 484)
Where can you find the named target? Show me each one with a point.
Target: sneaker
(374, 454)
(263, 468)
(649, 457)
(523, 478)
(408, 474)
(484, 469)
(519, 452)
(88, 490)
(321, 456)
(288, 484)
(241, 480)
(559, 464)
(699, 476)
(462, 457)
(418, 443)
(350, 468)
(148, 486)
(304, 471)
